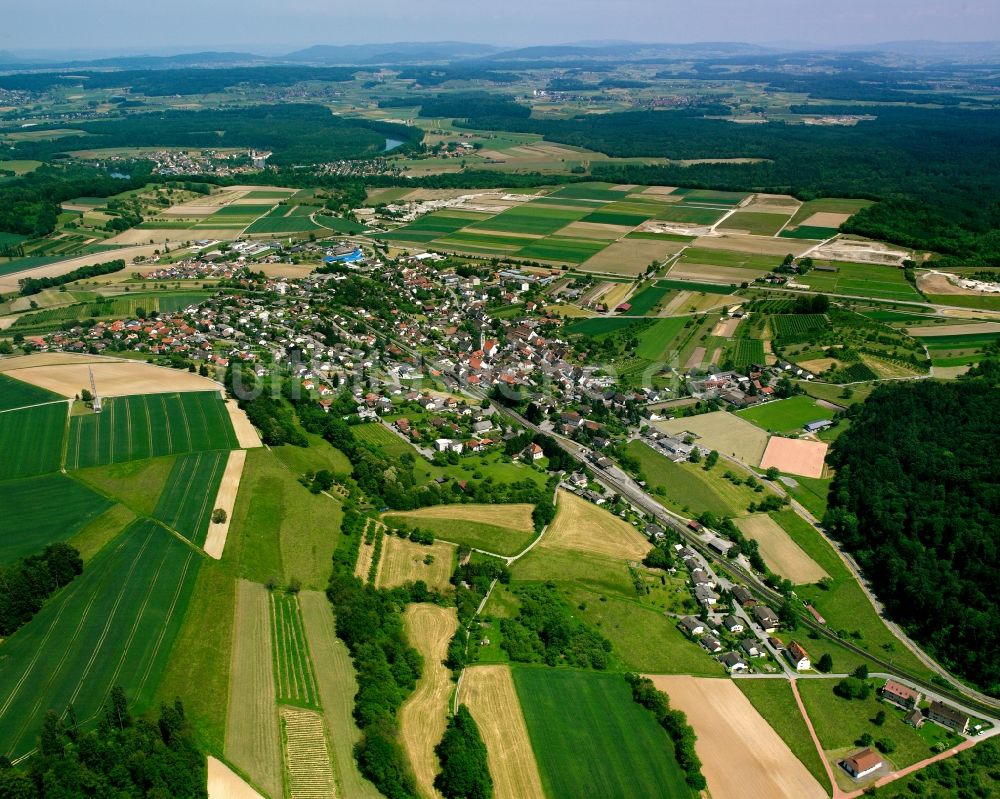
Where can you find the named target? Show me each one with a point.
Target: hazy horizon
(107, 27)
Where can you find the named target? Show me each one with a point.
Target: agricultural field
(31, 440)
(787, 415)
(308, 769)
(113, 625)
(779, 551)
(722, 431)
(285, 219)
(68, 507)
(405, 561)
(424, 715)
(796, 326)
(591, 739)
(741, 754)
(295, 683)
(252, 734)
(144, 426)
(743, 352)
(861, 280)
(688, 487)
(467, 525)
(820, 219)
(18, 394)
(186, 503)
(581, 526)
(755, 222)
(657, 343)
(774, 701)
(489, 693)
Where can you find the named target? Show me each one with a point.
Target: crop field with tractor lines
(144, 426)
(113, 625)
(295, 682)
(31, 440)
(186, 502)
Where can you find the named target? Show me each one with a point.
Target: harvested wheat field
(723, 431)
(741, 755)
(215, 541)
(489, 693)
(826, 219)
(224, 783)
(114, 378)
(424, 716)
(307, 758)
(246, 433)
(252, 739)
(9, 282)
(403, 561)
(582, 526)
(781, 553)
(795, 456)
(337, 686)
(513, 517)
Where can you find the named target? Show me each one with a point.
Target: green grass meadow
(591, 739)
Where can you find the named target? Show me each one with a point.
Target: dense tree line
(675, 723)
(915, 500)
(36, 285)
(930, 168)
(545, 631)
(465, 773)
(297, 133)
(122, 757)
(27, 583)
(184, 81)
(472, 104)
(269, 414)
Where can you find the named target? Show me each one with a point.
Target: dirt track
(489, 693)
(424, 716)
(741, 755)
(215, 541)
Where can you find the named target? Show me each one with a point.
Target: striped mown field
(146, 425)
(113, 625)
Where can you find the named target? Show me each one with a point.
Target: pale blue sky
(274, 26)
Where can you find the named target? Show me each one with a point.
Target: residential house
(741, 595)
(533, 452)
(705, 595)
(692, 625)
(901, 695)
(751, 648)
(711, 643)
(915, 718)
(766, 618)
(798, 656)
(733, 662)
(949, 717)
(861, 764)
(733, 624)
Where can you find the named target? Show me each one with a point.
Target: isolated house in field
(863, 763)
(766, 618)
(900, 695)
(798, 656)
(949, 717)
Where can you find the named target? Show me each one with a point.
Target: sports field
(795, 456)
(591, 739)
(26, 530)
(787, 415)
(186, 503)
(31, 440)
(741, 755)
(113, 625)
(144, 426)
(722, 431)
(489, 693)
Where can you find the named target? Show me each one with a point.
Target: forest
(123, 757)
(27, 583)
(297, 133)
(930, 168)
(915, 500)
